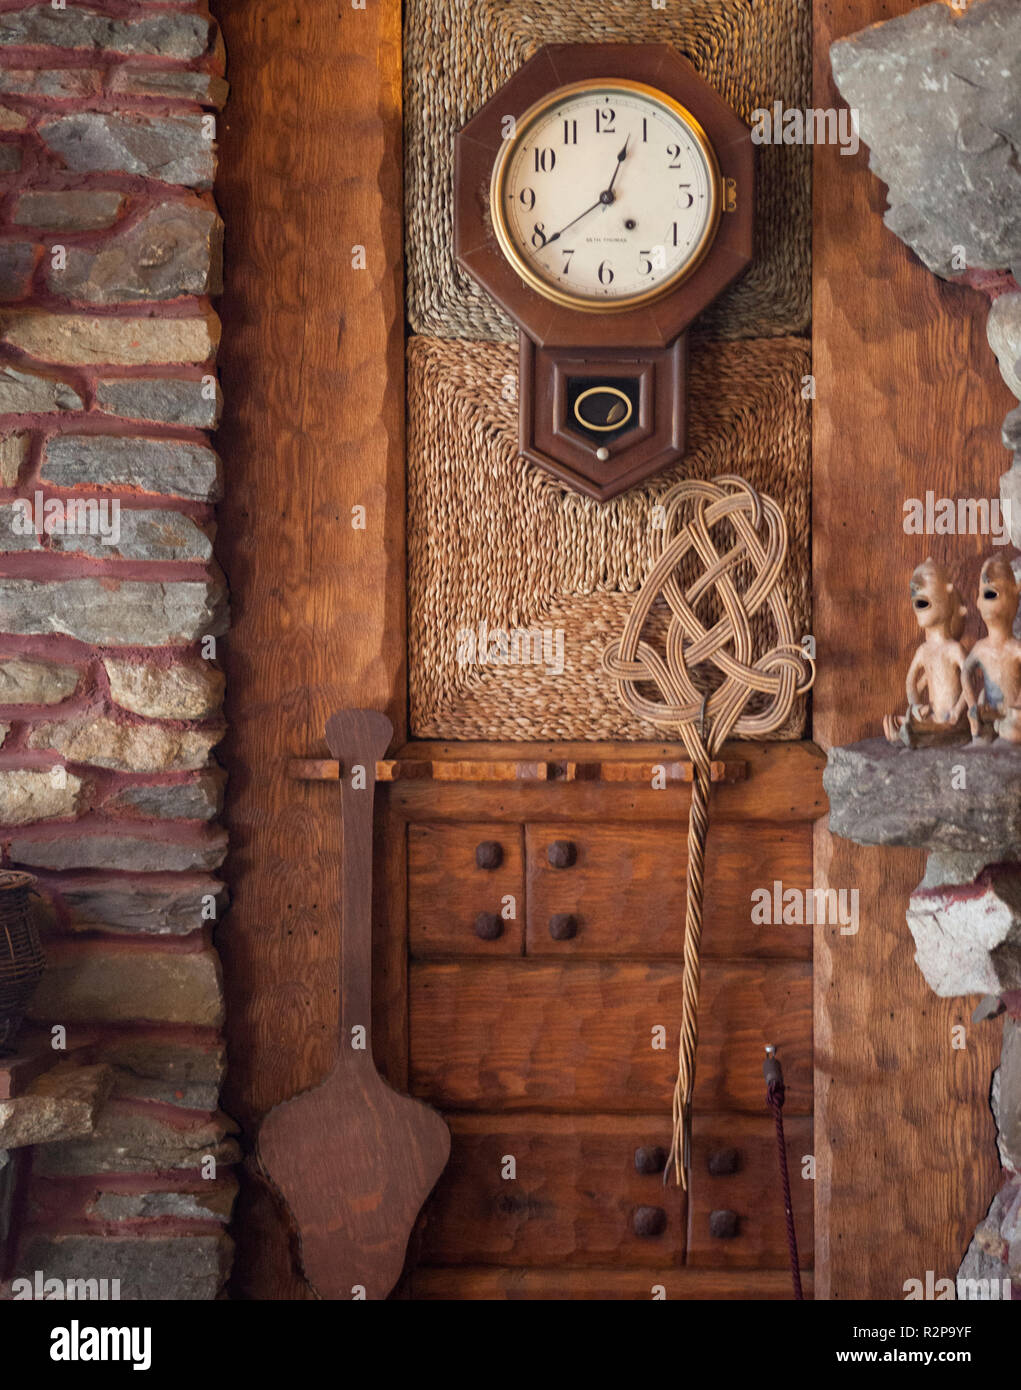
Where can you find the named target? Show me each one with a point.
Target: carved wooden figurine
(996, 706)
(935, 673)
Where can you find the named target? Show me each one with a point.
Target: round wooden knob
(724, 1161)
(650, 1158)
(562, 926)
(489, 854)
(648, 1221)
(489, 926)
(723, 1224)
(561, 854)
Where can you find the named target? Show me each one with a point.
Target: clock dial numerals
(607, 195)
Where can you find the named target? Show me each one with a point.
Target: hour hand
(620, 160)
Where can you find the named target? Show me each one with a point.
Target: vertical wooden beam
(909, 398)
(313, 428)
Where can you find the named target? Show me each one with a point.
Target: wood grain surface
(908, 398)
(578, 1035)
(612, 1284)
(312, 376)
(626, 889)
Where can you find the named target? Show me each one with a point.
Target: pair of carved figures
(953, 692)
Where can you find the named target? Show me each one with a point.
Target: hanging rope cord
(775, 1093)
(759, 541)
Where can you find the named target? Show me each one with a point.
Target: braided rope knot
(740, 538)
(753, 549)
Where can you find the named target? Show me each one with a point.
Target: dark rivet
(562, 926)
(648, 1221)
(723, 1161)
(489, 855)
(561, 854)
(723, 1224)
(489, 926)
(650, 1158)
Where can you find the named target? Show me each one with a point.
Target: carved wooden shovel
(353, 1159)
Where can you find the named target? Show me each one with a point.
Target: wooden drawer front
(447, 890)
(626, 889)
(597, 1285)
(576, 1199)
(577, 1035)
(752, 1191)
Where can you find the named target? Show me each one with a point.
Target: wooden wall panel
(312, 379)
(634, 1285)
(908, 398)
(578, 1035)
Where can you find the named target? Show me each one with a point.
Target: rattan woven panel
(458, 52)
(493, 540)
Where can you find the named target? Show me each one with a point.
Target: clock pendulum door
(604, 198)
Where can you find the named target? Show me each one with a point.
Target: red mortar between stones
(57, 1205)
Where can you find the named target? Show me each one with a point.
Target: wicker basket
(21, 956)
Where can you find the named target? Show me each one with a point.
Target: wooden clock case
(642, 346)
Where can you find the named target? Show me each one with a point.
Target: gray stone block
(160, 466)
(882, 794)
(174, 149)
(968, 938)
(115, 613)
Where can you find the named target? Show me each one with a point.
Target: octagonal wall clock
(604, 198)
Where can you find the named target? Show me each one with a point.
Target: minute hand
(557, 235)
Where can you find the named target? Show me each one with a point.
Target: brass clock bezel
(508, 246)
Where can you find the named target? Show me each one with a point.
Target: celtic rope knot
(740, 540)
(753, 548)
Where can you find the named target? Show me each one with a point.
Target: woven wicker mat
(458, 52)
(494, 540)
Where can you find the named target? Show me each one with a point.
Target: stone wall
(110, 693)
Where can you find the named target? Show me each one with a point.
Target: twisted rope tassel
(756, 536)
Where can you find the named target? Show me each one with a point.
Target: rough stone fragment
(1006, 1098)
(13, 453)
(62, 1104)
(175, 149)
(165, 466)
(994, 1254)
(213, 1202)
(14, 535)
(176, 1268)
(942, 868)
(199, 799)
(1010, 496)
(51, 82)
(175, 249)
(935, 94)
(28, 681)
(881, 794)
(182, 690)
(968, 938)
(70, 210)
(17, 262)
(103, 742)
(188, 1075)
(114, 613)
(1011, 431)
(79, 340)
(12, 120)
(171, 35)
(202, 87)
(22, 393)
(136, 853)
(117, 986)
(27, 795)
(163, 400)
(10, 157)
(151, 909)
(1003, 329)
(143, 535)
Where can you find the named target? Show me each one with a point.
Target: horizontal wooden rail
(517, 770)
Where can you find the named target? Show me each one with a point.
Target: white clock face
(606, 196)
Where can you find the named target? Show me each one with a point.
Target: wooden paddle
(353, 1159)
